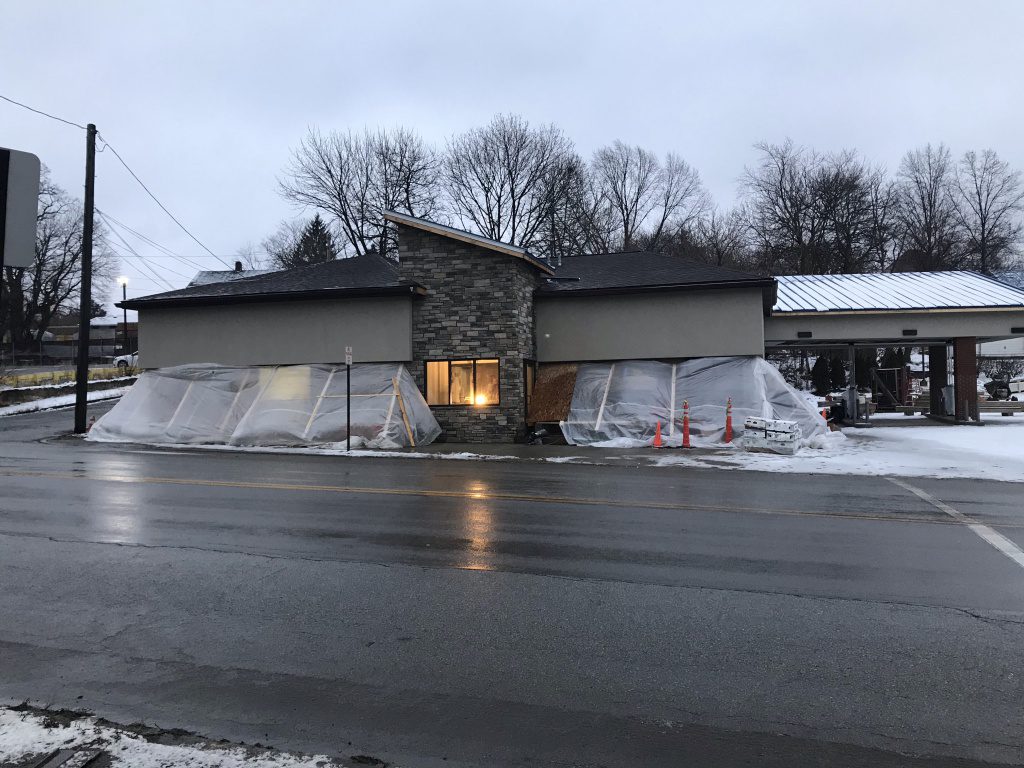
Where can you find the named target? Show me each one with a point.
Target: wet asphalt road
(432, 612)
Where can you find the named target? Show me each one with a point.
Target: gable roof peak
(443, 230)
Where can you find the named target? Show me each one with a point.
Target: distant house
(226, 275)
(1006, 347)
(475, 319)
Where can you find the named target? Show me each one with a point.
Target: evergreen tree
(821, 375)
(895, 357)
(838, 372)
(315, 246)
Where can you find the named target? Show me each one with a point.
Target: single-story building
(474, 318)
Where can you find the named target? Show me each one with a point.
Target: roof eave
(318, 294)
(662, 288)
(891, 311)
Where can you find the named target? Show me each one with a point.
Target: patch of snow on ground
(48, 403)
(620, 442)
(994, 451)
(336, 449)
(25, 734)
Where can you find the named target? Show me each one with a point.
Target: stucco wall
(651, 325)
(479, 304)
(278, 333)
(869, 327)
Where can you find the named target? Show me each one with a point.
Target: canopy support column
(965, 378)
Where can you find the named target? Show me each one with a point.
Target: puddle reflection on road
(479, 528)
(119, 520)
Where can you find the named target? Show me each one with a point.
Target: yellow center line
(471, 495)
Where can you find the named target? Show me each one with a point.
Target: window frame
(449, 361)
(529, 382)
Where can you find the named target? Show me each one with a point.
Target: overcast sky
(205, 99)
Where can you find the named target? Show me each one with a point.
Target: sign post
(348, 399)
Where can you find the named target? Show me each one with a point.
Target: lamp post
(123, 282)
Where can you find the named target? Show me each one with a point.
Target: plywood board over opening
(552, 393)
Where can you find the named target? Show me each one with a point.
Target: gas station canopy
(915, 308)
(942, 311)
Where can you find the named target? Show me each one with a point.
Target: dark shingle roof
(357, 276)
(642, 270)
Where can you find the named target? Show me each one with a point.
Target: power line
(40, 112)
(146, 262)
(166, 284)
(142, 261)
(165, 251)
(155, 200)
(126, 167)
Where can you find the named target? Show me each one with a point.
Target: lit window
(462, 382)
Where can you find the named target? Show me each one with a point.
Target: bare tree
(722, 237)
(504, 179)
(280, 245)
(881, 229)
(644, 196)
(927, 218)
(355, 178)
(50, 285)
(779, 196)
(989, 201)
(812, 213)
(250, 257)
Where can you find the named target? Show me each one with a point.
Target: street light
(123, 282)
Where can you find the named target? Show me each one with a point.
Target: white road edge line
(987, 534)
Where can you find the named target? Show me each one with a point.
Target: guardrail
(17, 381)
(1004, 407)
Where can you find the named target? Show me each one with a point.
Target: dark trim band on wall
(5, 169)
(256, 298)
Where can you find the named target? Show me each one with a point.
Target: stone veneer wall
(479, 304)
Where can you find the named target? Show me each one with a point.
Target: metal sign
(348, 355)
(19, 201)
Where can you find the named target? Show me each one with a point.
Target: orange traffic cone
(728, 421)
(686, 424)
(657, 435)
(824, 414)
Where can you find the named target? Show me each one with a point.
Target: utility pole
(85, 304)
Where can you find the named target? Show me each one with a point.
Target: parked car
(997, 390)
(125, 363)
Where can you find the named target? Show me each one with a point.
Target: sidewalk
(994, 452)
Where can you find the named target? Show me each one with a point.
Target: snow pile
(25, 734)
(620, 404)
(994, 451)
(294, 405)
(63, 401)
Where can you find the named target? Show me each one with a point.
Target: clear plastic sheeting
(294, 405)
(621, 403)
